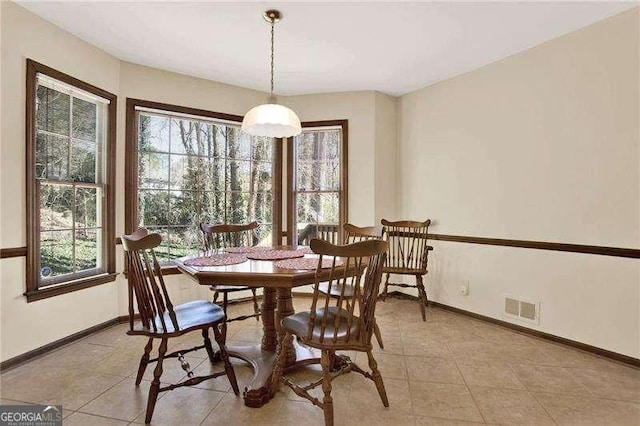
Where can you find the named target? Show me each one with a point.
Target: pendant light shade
(271, 119)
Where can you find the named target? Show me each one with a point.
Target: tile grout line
(100, 394)
(98, 415)
(542, 405)
(214, 405)
(473, 398)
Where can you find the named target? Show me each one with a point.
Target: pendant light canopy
(271, 119)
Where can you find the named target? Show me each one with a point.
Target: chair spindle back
(362, 264)
(144, 277)
(225, 236)
(325, 231)
(355, 234)
(407, 244)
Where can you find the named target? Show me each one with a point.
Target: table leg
(297, 355)
(285, 308)
(269, 337)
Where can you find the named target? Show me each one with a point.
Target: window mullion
(73, 232)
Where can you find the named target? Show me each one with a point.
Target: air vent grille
(523, 310)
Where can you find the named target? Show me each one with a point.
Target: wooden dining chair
(408, 255)
(324, 231)
(226, 236)
(354, 234)
(160, 319)
(335, 323)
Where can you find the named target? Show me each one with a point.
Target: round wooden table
(276, 305)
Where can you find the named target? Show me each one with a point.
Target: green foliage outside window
(318, 178)
(193, 171)
(69, 181)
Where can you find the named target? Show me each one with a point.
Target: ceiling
(394, 47)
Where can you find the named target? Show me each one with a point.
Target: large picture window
(317, 164)
(69, 135)
(192, 168)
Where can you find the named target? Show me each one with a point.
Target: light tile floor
(451, 370)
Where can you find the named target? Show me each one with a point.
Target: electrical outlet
(464, 288)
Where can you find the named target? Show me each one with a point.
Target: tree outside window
(195, 170)
(318, 162)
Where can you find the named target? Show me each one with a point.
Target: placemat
(307, 263)
(253, 249)
(218, 259)
(275, 254)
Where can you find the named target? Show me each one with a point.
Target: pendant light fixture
(271, 119)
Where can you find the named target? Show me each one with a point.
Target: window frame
(131, 164)
(343, 214)
(81, 280)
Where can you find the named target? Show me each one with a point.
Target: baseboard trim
(49, 347)
(531, 332)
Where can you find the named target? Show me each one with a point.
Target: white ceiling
(393, 47)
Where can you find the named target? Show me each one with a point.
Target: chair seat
(403, 271)
(190, 316)
(336, 289)
(229, 288)
(298, 324)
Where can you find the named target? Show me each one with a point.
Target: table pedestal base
(257, 391)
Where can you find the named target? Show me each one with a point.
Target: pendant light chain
(272, 38)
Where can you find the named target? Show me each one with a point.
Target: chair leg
(377, 379)
(256, 308)
(207, 345)
(224, 355)
(155, 384)
(216, 293)
(225, 303)
(422, 296)
(327, 402)
(281, 361)
(144, 361)
(376, 331)
(386, 287)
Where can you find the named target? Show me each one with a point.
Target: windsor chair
(160, 319)
(226, 236)
(337, 323)
(324, 231)
(408, 255)
(354, 234)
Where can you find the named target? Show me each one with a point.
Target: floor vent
(522, 309)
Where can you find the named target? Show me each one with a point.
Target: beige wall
(386, 161)
(543, 145)
(28, 326)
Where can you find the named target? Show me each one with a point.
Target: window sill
(47, 292)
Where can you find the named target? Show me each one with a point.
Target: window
(317, 161)
(70, 140)
(194, 166)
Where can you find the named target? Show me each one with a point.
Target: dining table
(277, 304)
